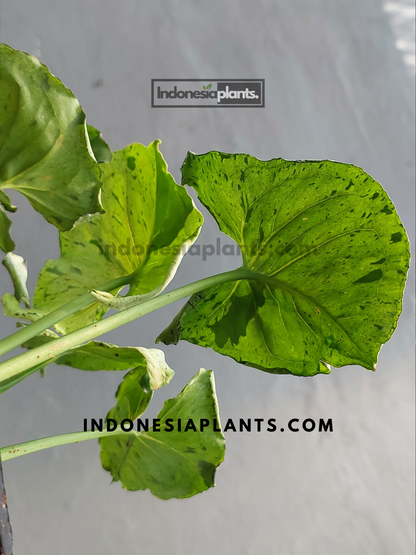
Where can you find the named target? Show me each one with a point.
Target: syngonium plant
(325, 259)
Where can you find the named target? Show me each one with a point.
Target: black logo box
(256, 85)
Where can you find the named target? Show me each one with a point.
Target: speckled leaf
(149, 364)
(172, 464)
(136, 390)
(12, 308)
(100, 148)
(97, 355)
(44, 149)
(132, 398)
(332, 257)
(149, 223)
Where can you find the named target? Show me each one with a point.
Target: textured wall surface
(337, 86)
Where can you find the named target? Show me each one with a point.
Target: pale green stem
(20, 449)
(34, 329)
(46, 353)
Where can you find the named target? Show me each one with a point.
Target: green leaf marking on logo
(172, 464)
(44, 149)
(330, 258)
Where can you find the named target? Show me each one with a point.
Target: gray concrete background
(339, 85)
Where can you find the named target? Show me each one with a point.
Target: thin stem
(46, 353)
(34, 329)
(20, 449)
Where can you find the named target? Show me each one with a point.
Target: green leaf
(132, 398)
(6, 202)
(97, 355)
(136, 390)
(11, 308)
(330, 257)
(6, 242)
(17, 268)
(150, 370)
(149, 224)
(44, 148)
(172, 464)
(100, 148)
(208, 87)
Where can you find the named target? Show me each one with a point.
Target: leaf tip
(156, 143)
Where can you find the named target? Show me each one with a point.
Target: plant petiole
(46, 353)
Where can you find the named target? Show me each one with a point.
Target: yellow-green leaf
(149, 224)
(45, 152)
(330, 254)
(172, 464)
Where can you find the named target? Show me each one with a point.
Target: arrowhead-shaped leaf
(330, 257)
(149, 223)
(172, 464)
(44, 148)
